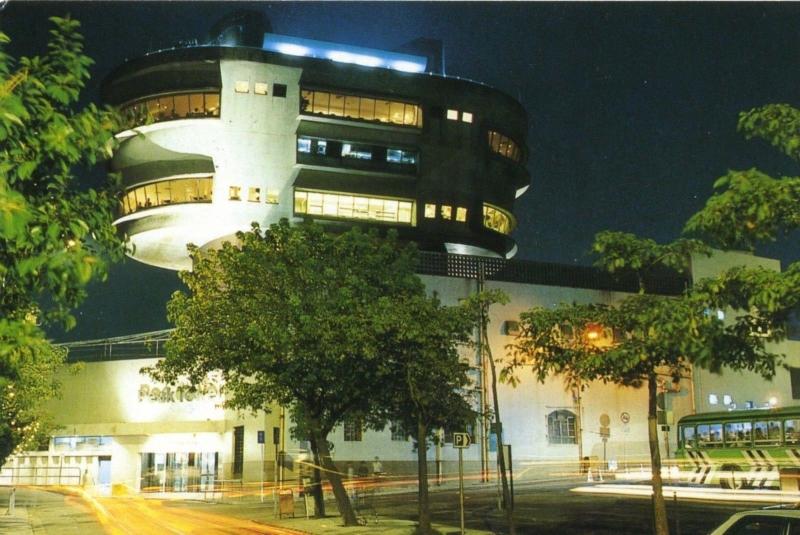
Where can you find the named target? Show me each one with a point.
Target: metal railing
(40, 475)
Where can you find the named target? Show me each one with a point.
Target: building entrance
(179, 471)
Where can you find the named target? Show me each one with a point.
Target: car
(761, 522)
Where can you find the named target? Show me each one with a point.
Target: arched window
(561, 427)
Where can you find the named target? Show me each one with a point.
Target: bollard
(12, 501)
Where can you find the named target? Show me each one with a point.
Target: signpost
(460, 442)
(261, 442)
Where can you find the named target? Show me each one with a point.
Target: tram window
(689, 437)
(791, 431)
(767, 433)
(738, 434)
(709, 435)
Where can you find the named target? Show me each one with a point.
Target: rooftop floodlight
(407, 66)
(367, 61)
(292, 49)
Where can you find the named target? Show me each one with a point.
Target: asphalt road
(551, 509)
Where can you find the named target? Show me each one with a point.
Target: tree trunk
(422, 475)
(319, 498)
(507, 502)
(332, 474)
(660, 524)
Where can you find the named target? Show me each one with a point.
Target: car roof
(788, 513)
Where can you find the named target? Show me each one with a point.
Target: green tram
(740, 449)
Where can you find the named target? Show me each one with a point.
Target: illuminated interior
(171, 107)
(497, 219)
(347, 206)
(504, 146)
(176, 191)
(361, 108)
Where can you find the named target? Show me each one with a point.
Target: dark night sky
(632, 106)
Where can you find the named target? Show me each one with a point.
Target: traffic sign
(625, 417)
(461, 440)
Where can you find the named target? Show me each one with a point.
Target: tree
(430, 379)
(292, 316)
(480, 303)
(643, 336)
(55, 236)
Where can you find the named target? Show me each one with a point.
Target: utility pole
(483, 404)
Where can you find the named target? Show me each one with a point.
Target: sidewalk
(38, 511)
(17, 523)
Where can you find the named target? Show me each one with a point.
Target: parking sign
(461, 440)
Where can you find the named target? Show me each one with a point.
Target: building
(251, 128)
(256, 126)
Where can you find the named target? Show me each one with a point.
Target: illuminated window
(430, 211)
(466, 117)
(452, 115)
(359, 107)
(401, 156)
(234, 193)
(260, 88)
(322, 147)
(303, 144)
(461, 214)
(713, 399)
(242, 86)
(348, 206)
(447, 212)
(272, 196)
(359, 152)
(254, 194)
(353, 429)
(279, 90)
(175, 191)
(170, 107)
(497, 219)
(504, 146)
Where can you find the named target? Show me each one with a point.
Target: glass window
(461, 214)
(235, 193)
(337, 105)
(353, 429)
(709, 435)
(182, 108)
(342, 205)
(212, 104)
(322, 147)
(306, 97)
(447, 211)
(279, 90)
(466, 117)
(359, 152)
(767, 433)
(738, 434)
(713, 399)
(688, 436)
(351, 107)
(260, 88)
(398, 433)
(196, 105)
(504, 146)
(272, 196)
(303, 144)
(561, 427)
(382, 110)
(430, 211)
(410, 116)
(321, 102)
(174, 191)
(242, 86)
(254, 194)
(401, 156)
(452, 115)
(397, 112)
(367, 108)
(791, 431)
(300, 202)
(497, 219)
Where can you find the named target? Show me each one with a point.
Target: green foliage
(54, 235)
(302, 318)
(431, 379)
